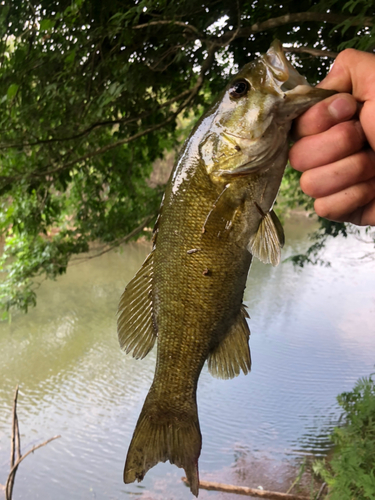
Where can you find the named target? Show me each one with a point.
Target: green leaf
(79, 144)
(12, 90)
(47, 24)
(69, 59)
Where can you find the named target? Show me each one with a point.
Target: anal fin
(232, 354)
(135, 327)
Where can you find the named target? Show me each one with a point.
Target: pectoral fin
(232, 354)
(135, 327)
(267, 242)
(223, 213)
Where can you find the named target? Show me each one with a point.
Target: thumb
(353, 72)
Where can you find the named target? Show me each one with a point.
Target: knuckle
(348, 136)
(360, 163)
(322, 208)
(346, 56)
(296, 156)
(307, 183)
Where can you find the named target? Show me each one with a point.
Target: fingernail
(341, 109)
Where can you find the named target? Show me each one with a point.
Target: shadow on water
(312, 338)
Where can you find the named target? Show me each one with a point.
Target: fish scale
(215, 216)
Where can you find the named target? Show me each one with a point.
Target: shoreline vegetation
(350, 470)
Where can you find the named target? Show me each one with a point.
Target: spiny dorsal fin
(267, 242)
(232, 354)
(136, 331)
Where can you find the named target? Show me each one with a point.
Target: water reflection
(312, 337)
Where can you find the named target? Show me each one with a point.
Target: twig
(137, 230)
(321, 490)
(176, 23)
(250, 492)
(13, 470)
(16, 450)
(15, 446)
(14, 419)
(313, 52)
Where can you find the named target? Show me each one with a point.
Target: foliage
(351, 472)
(90, 95)
(319, 238)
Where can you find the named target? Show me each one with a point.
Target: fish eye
(239, 88)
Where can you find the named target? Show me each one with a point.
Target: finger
(354, 204)
(339, 141)
(352, 72)
(329, 179)
(365, 216)
(324, 115)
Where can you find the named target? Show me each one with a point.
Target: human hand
(336, 146)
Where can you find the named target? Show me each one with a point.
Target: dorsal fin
(267, 242)
(232, 354)
(136, 330)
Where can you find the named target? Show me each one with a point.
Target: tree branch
(212, 45)
(313, 52)
(275, 22)
(177, 23)
(137, 230)
(224, 40)
(95, 125)
(191, 94)
(297, 17)
(250, 492)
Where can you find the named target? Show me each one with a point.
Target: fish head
(251, 121)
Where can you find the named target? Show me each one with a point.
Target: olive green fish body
(200, 270)
(215, 216)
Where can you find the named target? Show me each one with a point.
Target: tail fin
(165, 435)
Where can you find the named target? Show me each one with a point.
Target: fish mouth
(284, 80)
(284, 76)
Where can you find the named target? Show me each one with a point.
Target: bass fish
(215, 216)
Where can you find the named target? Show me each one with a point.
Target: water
(312, 338)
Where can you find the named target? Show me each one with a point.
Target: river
(312, 337)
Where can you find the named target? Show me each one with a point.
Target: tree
(90, 96)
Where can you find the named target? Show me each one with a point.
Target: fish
(216, 215)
